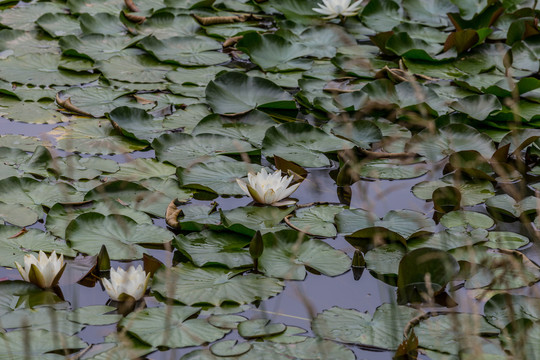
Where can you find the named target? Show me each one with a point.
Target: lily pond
(390, 210)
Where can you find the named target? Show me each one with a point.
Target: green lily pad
(94, 46)
(437, 145)
(120, 234)
(30, 192)
(478, 107)
(236, 93)
(259, 328)
(58, 25)
(216, 176)
(16, 244)
(384, 330)
(455, 332)
(136, 123)
(213, 285)
(250, 127)
(94, 315)
(141, 168)
(19, 42)
(506, 240)
(96, 100)
(171, 327)
(273, 53)
(226, 321)
(140, 197)
(101, 23)
(467, 218)
(360, 132)
(185, 150)
(250, 219)
(302, 143)
(500, 269)
(136, 69)
(24, 17)
(94, 137)
(59, 216)
(424, 271)
(384, 261)
(41, 319)
(507, 206)
(187, 51)
(310, 349)
(395, 225)
(19, 344)
(21, 295)
(165, 24)
(41, 69)
(18, 215)
(287, 253)
(317, 220)
(209, 248)
(384, 169)
(230, 348)
(472, 193)
(451, 239)
(502, 309)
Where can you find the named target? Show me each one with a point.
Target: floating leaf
(185, 150)
(302, 144)
(215, 248)
(236, 93)
(88, 232)
(384, 330)
(424, 271)
(273, 53)
(287, 254)
(317, 220)
(171, 327)
(213, 285)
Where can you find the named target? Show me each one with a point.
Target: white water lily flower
(132, 282)
(42, 271)
(268, 188)
(335, 8)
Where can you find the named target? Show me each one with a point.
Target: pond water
(410, 129)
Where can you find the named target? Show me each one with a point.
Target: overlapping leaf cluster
(189, 95)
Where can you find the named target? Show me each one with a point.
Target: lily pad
(259, 328)
(250, 219)
(41, 69)
(213, 285)
(185, 150)
(209, 248)
(472, 193)
(467, 218)
(20, 344)
(273, 53)
(437, 145)
(216, 176)
(120, 234)
(171, 327)
(230, 348)
(287, 253)
(317, 220)
(186, 51)
(384, 330)
(94, 137)
(236, 93)
(16, 243)
(302, 143)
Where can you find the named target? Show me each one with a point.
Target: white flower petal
(47, 268)
(132, 282)
(268, 188)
